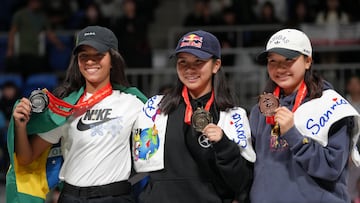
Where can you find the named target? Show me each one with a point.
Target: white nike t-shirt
(96, 144)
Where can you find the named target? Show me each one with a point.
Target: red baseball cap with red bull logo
(199, 43)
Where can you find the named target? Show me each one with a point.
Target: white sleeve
(53, 136)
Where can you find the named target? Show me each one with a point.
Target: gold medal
(268, 103)
(200, 119)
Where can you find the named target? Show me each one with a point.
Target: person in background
(228, 39)
(353, 181)
(201, 15)
(4, 157)
(27, 54)
(353, 91)
(58, 12)
(332, 13)
(266, 16)
(10, 93)
(94, 16)
(353, 96)
(132, 32)
(131, 29)
(331, 16)
(357, 186)
(194, 141)
(300, 13)
(94, 134)
(303, 131)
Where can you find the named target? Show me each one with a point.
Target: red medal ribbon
(299, 98)
(189, 111)
(57, 105)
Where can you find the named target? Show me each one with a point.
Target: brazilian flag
(31, 183)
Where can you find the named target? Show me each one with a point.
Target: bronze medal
(39, 101)
(268, 103)
(200, 119)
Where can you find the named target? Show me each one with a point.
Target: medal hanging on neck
(200, 118)
(65, 109)
(302, 91)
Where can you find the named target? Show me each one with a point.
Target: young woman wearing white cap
(303, 131)
(92, 114)
(194, 141)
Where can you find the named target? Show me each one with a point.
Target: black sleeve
(235, 170)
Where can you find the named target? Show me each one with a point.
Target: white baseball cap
(289, 43)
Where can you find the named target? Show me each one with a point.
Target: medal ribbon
(56, 104)
(189, 111)
(299, 98)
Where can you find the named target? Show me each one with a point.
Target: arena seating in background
(40, 81)
(59, 59)
(3, 48)
(12, 77)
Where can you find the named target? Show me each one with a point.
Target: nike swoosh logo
(82, 126)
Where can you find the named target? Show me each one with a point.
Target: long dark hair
(224, 97)
(74, 80)
(314, 83)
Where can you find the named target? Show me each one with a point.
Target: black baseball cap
(199, 43)
(100, 38)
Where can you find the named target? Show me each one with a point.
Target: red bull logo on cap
(191, 40)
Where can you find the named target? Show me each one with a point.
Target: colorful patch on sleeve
(146, 143)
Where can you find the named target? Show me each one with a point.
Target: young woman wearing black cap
(92, 113)
(194, 141)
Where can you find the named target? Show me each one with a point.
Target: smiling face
(196, 74)
(95, 67)
(287, 73)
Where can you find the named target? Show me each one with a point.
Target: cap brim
(198, 53)
(289, 54)
(101, 48)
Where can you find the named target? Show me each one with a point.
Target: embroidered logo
(89, 33)
(192, 40)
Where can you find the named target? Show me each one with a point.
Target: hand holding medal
(39, 102)
(269, 102)
(200, 119)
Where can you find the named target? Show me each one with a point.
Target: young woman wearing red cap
(92, 113)
(303, 131)
(194, 141)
